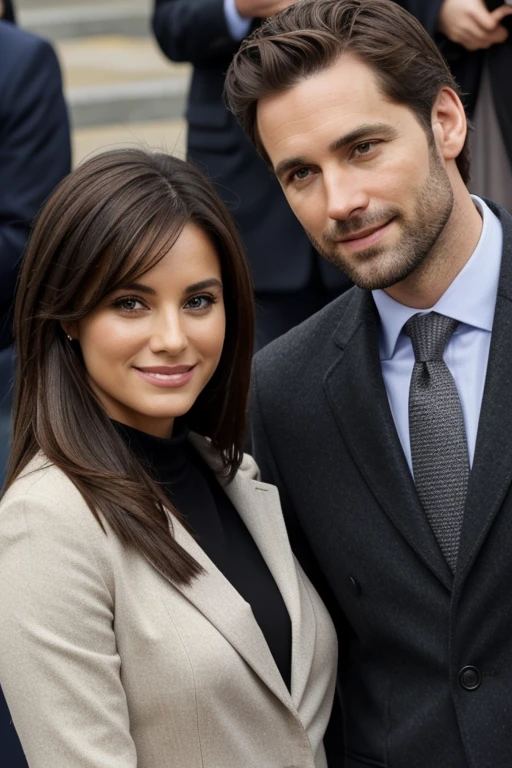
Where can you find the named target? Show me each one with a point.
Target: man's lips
(365, 238)
(362, 233)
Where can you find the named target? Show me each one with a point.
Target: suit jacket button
(355, 586)
(470, 678)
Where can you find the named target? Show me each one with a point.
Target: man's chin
(371, 275)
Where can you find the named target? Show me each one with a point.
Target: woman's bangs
(131, 255)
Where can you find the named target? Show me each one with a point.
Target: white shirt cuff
(237, 26)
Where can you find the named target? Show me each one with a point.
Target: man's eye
(301, 173)
(365, 147)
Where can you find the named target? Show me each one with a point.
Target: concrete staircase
(120, 89)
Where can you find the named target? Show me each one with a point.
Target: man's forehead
(340, 97)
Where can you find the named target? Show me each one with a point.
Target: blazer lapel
(355, 389)
(213, 595)
(491, 475)
(259, 506)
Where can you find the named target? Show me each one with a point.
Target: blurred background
(119, 87)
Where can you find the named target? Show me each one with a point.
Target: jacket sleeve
(35, 152)
(426, 11)
(59, 666)
(194, 31)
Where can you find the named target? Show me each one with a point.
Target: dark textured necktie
(438, 437)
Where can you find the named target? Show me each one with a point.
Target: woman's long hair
(106, 224)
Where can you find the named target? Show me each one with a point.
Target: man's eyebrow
(362, 132)
(358, 134)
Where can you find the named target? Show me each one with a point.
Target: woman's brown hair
(311, 35)
(106, 224)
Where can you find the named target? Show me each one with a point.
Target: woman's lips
(167, 376)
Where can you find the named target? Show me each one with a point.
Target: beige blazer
(107, 664)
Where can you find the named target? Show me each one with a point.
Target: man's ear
(449, 124)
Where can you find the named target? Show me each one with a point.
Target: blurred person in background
(6, 10)
(291, 281)
(474, 37)
(35, 155)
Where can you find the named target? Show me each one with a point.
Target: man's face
(359, 172)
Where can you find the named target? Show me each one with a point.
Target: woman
(151, 613)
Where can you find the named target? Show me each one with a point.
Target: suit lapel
(491, 475)
(355, 389)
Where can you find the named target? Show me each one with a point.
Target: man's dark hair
(311, 35)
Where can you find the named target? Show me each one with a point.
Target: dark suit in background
(35, 149)
(290, 280)
(325, 435)
(35, 155)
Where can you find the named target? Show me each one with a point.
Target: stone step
(121, 79)
(168, 136)
(24, 5)
(61, 19)
(127, 102)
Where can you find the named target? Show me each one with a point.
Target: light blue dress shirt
(471, 299)
(237, 25)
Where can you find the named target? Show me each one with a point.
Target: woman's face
(150, 347)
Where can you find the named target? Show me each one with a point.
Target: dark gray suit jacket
(324, 433)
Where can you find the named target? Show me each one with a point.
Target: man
(290, 279)
(474, 37)
(35, 155)
(385, 419)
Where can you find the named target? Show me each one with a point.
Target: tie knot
(429, 335)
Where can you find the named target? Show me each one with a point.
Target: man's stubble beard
(417, 240)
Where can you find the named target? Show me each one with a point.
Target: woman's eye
(200, 302)
(129, 304)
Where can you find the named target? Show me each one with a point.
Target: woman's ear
(70, 330)
(449, 124)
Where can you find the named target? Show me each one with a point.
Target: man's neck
(424, 287)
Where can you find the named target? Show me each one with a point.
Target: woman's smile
(151, 346)
(167, 376)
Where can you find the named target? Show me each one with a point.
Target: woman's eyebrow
(211, 283)
(140, 287)
(200, 286)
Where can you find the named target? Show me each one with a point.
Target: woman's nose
(169, 334)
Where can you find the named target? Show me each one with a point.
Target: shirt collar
(471, 297)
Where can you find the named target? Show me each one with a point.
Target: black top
(195, 492)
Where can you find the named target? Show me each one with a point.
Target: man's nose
(345, 195)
